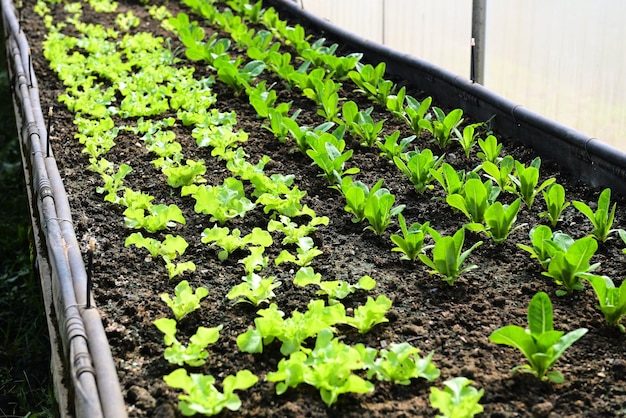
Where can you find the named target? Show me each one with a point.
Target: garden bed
(452, 321)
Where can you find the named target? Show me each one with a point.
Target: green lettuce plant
(202, 397)
(457, 399)
(417, 166)
(371, 81)
(324, 94)
(229, 241)
(222, 202)
(334, 289)
(468, 138)
(186, 174)
(194, 354)
(501, 172)
(379, 210)
(554, 197)
(539, 343)
(270, 324)
(306, 251)
(544, 243)
(474, 199)
(566, 267)
(490, 149)
(255, 289)
(398, 364)
(329, 367)
(370, 314)
(526, 181)
(498, 221)
(444, 126)
(186, 300)
(292, 231)
(391, 148)
(154, 218)
(451, 180)
(416, 114)
(357, 195)
(361, 124)
(411, 241)
(327, 152)
(448, 255)
(602, 218)
(395, 103)
(611, 299)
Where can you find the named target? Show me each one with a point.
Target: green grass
(25, 384)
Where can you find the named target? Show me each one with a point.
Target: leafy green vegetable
(154, 218)
(611, 299)
(328, 367)
(305, 253)
(230, 241)
(185, 174)
(544, 243)
(292, 231)
(416, 114)
(540, 343)
(202, 397)
(411, 241)
(361, 124)
(443, 126)
(370, 314)
(499, 220)
(457, 400)
(328, 153)
(468, 138)
(398, 364)
(501, 173)
(335, 289)
(567, 266)
(554, 196)
(254, 289)
(221, 202)
(371, 82)
(293, 331)
(195, 353)
(526, 180)
(602, 219)
(357, 195)
(417, 166)
(451, 180)
(490, 149)
(325, 94)
(391, 148)
(474, 199)
(379, 210)
(447, 259)
(185, 300)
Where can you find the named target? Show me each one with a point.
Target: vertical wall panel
(565, 59)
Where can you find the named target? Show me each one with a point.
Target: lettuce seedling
(501, 173)
(334, 289)
(451, 180)
(411, 241)
(416, 114)
(327, 152)
(370, 314)
(443, 126)
(170, 247)
(554, 196)
(544, 243)
(371, 82)
(305, 253)
(540, 343)
(113, 180)
(447, 259)
(526, 180)
(418, 167)
(611, 299)
(603, 217)
(567, 267)
(357, 194)
(474, 199)
(391, 148)
(185, 174)
(324, 94)
(229, 241)
(222, 202)
(457, 400)
(154, 218)
(254, 289)
(292, 231)
(328, 367)
(185, 300)
(293, 331)
(395, 103)
(361, 124)
(202, 397)
(195, 353)
(379, 210)
(256, 261)
(499, 220)
(490, 149)
(468, 138)
(399, 364)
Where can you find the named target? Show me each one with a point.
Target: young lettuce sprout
(499, 220)
(554, 196)
(611, 299)
(185, 300)
(417, 166)
(468, 138)
(412, 239)
(540, 343)
(447, 259)
(457, 400)
(602, 219)
(526, 180)
(566, 267)
(490, 149)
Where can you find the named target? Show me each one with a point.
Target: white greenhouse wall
(565, 59)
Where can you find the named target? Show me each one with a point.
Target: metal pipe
(479, 20)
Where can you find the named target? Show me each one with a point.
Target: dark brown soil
(453, 321)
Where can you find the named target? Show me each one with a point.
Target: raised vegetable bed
(163, 140)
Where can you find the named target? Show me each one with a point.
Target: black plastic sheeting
(594, 162)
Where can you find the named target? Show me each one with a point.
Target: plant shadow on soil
(453, 321)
